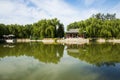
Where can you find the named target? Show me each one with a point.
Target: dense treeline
(50, 28)
(99, 25)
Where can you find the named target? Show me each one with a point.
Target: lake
(38, 61)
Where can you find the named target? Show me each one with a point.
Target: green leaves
(50, 28)
(99, 25)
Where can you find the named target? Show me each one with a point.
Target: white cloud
(56, 8)
(30, 11)
(6, 7)
(17, 12)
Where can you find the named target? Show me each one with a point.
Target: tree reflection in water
(23, 61)
(47, 53)
(98, 54)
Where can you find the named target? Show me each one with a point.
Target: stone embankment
(108, 40)
(73, 41)
(69, 40)
(65, 41)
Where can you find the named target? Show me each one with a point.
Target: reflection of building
(9, 46)
(73, 50)
(72, 33)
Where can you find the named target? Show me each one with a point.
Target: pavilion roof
(73, 31)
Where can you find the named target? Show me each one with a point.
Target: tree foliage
(99, 25)
(50, 28)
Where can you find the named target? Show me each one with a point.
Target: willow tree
(50, 28)
(99, 25)
(50, 31)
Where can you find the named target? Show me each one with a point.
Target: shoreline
(57, 40)
(101, 40)
(69, 40)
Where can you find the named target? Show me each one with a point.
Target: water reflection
(97, 54)
(51, 53)
(32, 61)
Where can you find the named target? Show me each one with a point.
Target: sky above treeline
(67, 11)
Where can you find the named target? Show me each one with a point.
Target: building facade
(72, 33)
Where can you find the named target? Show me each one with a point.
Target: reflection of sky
(66, 59)
(28, 68)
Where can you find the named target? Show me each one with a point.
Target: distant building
(72, 33)
(9, 38)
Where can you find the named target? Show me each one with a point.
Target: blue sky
(67, 11)
(92, 3)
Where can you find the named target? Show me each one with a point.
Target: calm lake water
(38, 61)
